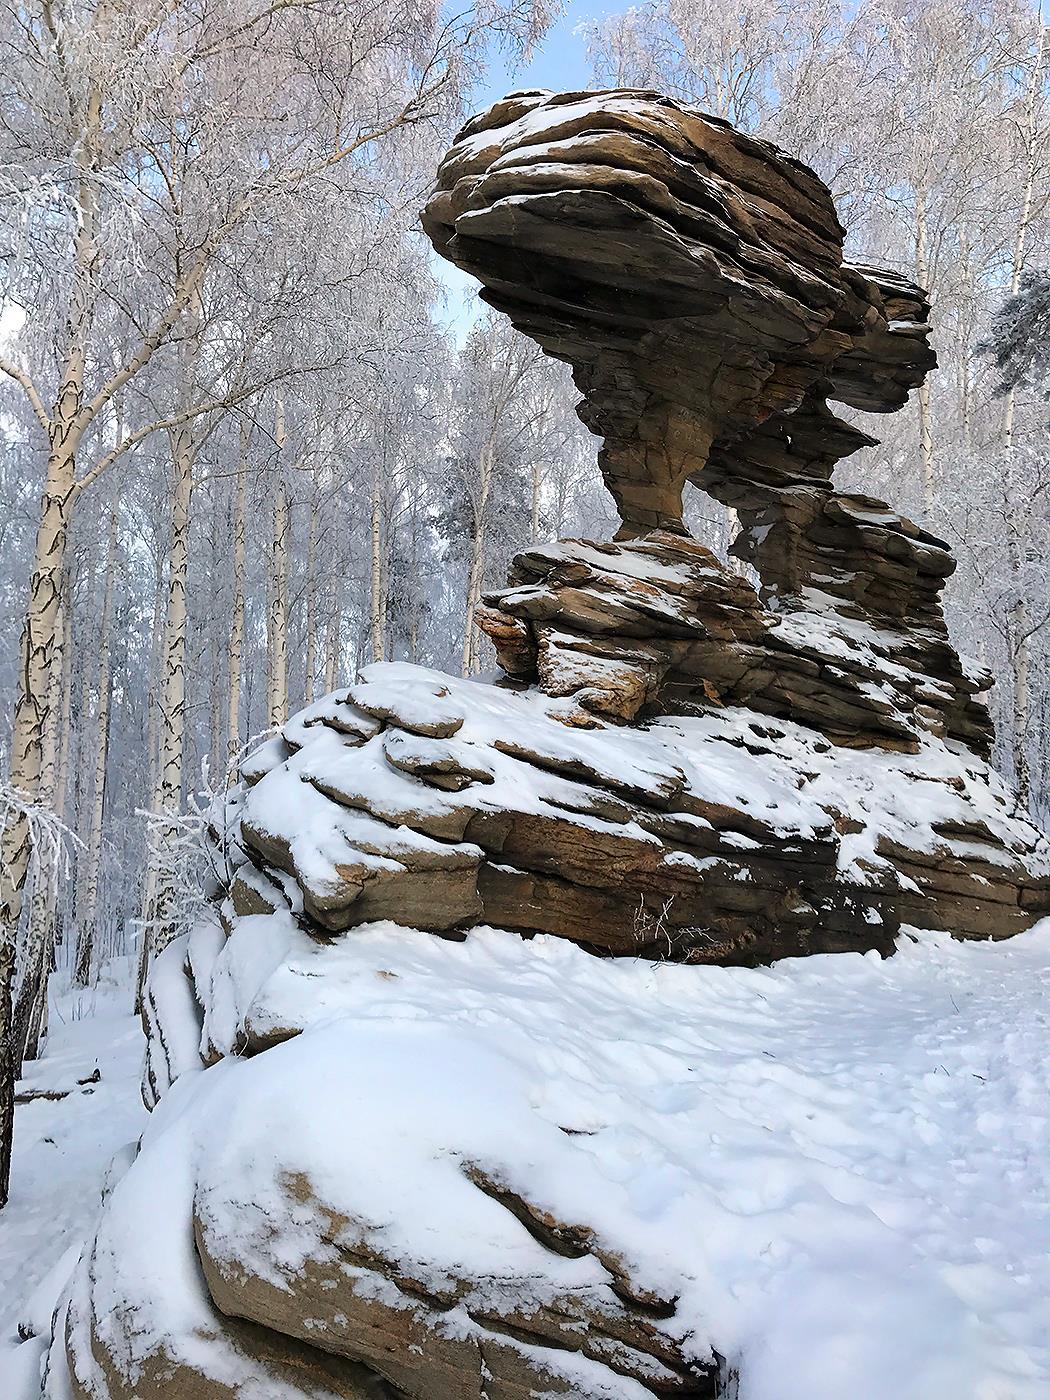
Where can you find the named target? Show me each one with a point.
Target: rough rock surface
(677, 764)
(658, 625)
(692, 277)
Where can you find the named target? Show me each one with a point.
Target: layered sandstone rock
(692, 277)
(718, 836)
(658, 623)
(678, 765)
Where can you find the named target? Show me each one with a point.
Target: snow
(541, 124)
(839, 1165)
(63, 1151)
(629, 558)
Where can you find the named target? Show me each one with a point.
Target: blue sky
(559, 63)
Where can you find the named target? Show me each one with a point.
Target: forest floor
(63, 1150)
(857, 1150)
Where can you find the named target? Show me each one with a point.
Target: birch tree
(87, 894)
(122, 122)
(277, 631)
(237, 611)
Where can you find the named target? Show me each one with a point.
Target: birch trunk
(333, 636)
(377, 609)
(173, 706)
(922, 276)
(415, 600)
(153, 726)
(475, 577)
(87, 901)
(31, 1003)
(1020, 637)
(153, 722)
(38, 1016)
(40, 654)
(277, 671)
(240, 515)
(310, 663)
(65, 667)
(966, 338)
(1030, 137)
(1021, 702)
(216, 707)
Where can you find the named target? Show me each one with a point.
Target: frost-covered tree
(146, 152)
(1019, 339)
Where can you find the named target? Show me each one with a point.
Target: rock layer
(724, 836)
(658, 623)
(693, 279)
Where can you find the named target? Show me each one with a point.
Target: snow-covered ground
(841, 1164)
(63, 1150)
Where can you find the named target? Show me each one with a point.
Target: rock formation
(693, 279)
(677, 764)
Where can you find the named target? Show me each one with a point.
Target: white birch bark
(31, 1003)
(377, 592)
(90, 866)
(161, 927)
(153, 731)
(236, 663)
(277, 638)
(333, 654)
(1021, 701)
(216, 755)
(310, 660)
(534, 520)
(922, 276)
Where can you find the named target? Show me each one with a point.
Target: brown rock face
(393, 1320)
(713, 834)
(657, 623)
(693, 279)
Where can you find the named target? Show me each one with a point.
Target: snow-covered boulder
(505, 1168)
(718, 836)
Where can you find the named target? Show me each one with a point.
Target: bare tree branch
(31, 392)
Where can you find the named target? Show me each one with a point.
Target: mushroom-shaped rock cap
(691, 275)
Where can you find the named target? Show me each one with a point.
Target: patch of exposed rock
(719, 836)
(693, 278)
